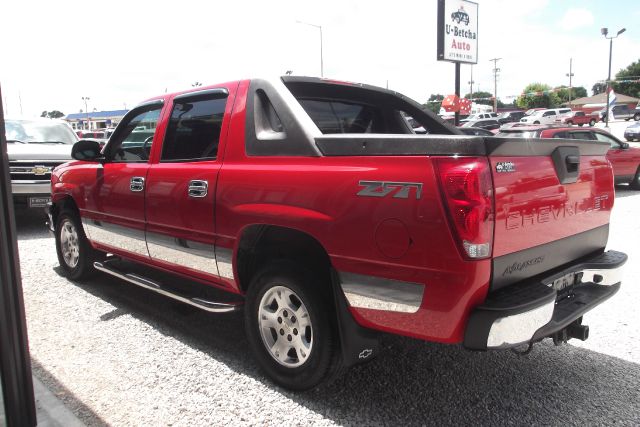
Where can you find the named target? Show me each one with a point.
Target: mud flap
(358, 344)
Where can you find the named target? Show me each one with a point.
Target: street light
(319, 27)
(86, 109)
(604, 32)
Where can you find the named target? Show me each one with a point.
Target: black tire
(635, 184)
(592, 122)
(570, 122)
(636, 117)
(536, 122)
(74, 268)
(324, 360)
(580, 124)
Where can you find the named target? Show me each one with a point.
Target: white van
(545, 116)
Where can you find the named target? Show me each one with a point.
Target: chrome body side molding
(224, 259)
(378, 293)
(186, 253)
(117, 236)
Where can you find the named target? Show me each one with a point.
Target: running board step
(155, 286)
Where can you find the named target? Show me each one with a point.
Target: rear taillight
(467, 190)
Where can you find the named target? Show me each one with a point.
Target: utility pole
(570, 75)
(86, 111)
(496, 70)
(319, 27)
(605, 32)
(471, 82)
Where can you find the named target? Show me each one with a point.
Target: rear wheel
(536, 122)
(75, 253)
(636, 117)
(570, 122)
(290, 326)
(592, 122)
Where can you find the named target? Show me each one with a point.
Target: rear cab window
(343, 108)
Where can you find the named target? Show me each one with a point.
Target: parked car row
(624, 158)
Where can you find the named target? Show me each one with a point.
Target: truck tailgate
(553, 199)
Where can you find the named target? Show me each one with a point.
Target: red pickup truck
(314, 206)
(578, 118)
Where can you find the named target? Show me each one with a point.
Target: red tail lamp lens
(468, 194)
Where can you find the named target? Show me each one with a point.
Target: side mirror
(86, 149)
(624, 145)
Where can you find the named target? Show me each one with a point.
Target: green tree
(598, 88)
(632, 72)
(486, 98)
(53, 114)
(538, 95)
(576, 92)
(434, 103)
(482, 95)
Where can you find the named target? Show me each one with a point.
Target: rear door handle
(136, 184)
(198, 188)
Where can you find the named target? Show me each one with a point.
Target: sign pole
(457, 91)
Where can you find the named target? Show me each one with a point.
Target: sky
(118, 53)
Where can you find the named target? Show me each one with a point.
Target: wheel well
(261, 244)
(66, 203)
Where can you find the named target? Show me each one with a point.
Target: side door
(623, 161)
(181, 184)
(548, 117)
(115, 213)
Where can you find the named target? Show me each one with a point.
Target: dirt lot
(119, 355)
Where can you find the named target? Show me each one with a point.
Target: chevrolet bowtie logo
(40, 170)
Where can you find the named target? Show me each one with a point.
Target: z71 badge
(401, 190)
(502, 167)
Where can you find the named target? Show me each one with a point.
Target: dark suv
(510, 116)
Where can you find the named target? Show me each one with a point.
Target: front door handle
(136, 184)
(197, 188)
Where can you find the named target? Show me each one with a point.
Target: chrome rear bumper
(530, 311)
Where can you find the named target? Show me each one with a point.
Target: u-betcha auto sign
(458, 31)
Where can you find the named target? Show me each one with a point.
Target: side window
(582, 135)
(194, 129)
(560, 135)
(549, 113)
(133, 141)
(604, 138)
(579, 114)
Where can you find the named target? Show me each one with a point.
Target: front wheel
(75, 253)
(635, 184)
(636, 117)
(592, 122)
(289, 326)
(536, 122)
(570, 123)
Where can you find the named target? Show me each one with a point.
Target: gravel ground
(119, 355)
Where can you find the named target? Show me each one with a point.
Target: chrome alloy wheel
(69, 243)
(285, 326)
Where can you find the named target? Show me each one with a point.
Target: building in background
(598, 102)
(95, 119)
